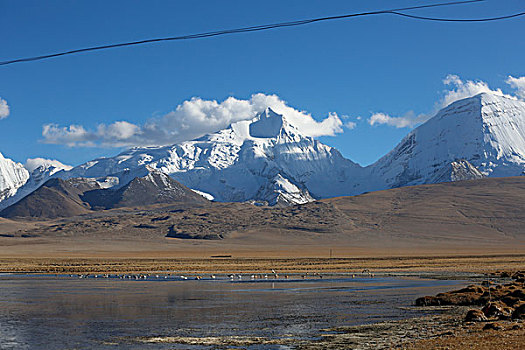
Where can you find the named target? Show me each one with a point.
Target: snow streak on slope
(12, 176)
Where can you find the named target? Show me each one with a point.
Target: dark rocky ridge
(154, 188)
(55, 198)
(66, 198)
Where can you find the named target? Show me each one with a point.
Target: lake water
(63, 312)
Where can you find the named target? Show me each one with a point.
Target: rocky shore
(499, 302)
(486, 316)
(446, 329)
(489, 315)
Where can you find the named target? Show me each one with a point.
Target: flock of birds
(232, 277)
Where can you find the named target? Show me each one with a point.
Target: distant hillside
(55, 198)
(474, 210)
(487, 213)
(66, 198)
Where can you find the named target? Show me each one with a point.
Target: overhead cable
(273, 26)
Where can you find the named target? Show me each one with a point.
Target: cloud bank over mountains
(191, 119)
(196, 117)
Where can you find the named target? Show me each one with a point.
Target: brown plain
(443, 226)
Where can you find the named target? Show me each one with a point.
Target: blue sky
(354, 68)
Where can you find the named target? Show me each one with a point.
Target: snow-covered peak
(486, 130)
(40, 170)
(267, 124)
(157, 178)
(487, 98)
(261, 159)
(12, 176)
(49, 165)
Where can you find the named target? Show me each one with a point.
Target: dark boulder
(497, 309)
(475, 316)
(492, 326)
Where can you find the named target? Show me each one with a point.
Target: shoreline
(437, 264)
(444, 328)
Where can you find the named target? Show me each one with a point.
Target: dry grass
(477, 264)
(474, 338)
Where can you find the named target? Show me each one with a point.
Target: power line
(271, 26)
(458, 19)
(225, 32)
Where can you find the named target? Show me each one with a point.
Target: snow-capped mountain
(12, 176)
(37, 171)
(267, 159)
(41, 169)
(264, 159)
(479, 136)
(64, 198)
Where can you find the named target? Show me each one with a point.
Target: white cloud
(118, 131)
(4, 109)
(350, 125)
(408, 120)
(72, 135)
(329, 126)
(191, 119)
(464, 89)
(518, 84)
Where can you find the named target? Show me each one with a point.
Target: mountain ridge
(486, 213)
(239, 162)
(75, 196)
(267, 160)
